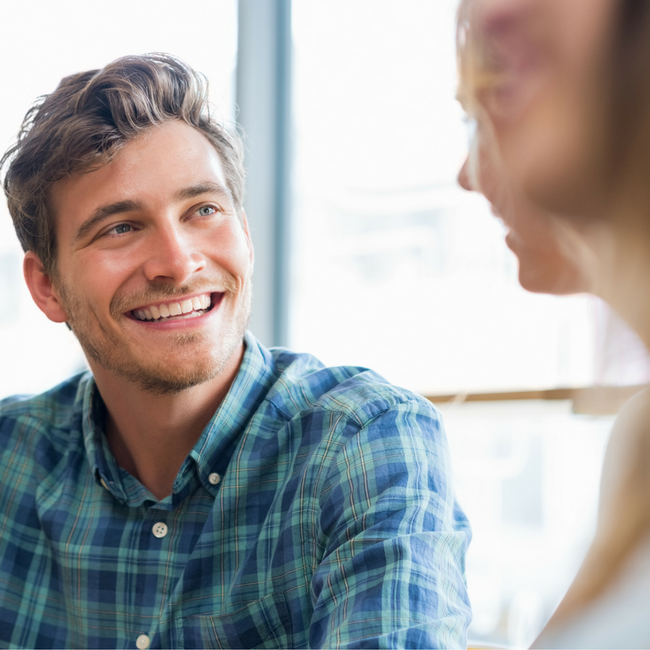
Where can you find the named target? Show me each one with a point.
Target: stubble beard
(158, 376)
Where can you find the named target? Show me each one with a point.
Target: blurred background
(368, 254)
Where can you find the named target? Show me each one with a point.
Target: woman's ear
(42, 289)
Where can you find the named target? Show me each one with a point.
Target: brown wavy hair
(88, 119)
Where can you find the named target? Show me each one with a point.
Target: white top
(619, 618)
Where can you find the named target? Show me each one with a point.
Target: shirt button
(142, 642)
(159, 530)
(214, 478)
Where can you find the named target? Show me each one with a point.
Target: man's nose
(172, 255)
(463, 176)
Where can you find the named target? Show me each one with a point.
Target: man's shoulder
(35, 433)
(52, 410)
(358, 393)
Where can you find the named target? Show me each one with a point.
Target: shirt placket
(155, 571)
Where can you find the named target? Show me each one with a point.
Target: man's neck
(149, 434)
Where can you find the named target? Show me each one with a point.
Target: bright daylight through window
(398, 268)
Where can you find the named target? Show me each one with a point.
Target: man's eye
(206, 211)
(120, 229)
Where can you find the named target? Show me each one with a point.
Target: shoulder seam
(351, 413)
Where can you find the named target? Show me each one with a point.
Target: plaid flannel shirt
(315, 510)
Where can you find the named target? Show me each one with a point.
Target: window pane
(396, 267)
(527, 475)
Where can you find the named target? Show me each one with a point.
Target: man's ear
(43, 291)
(244, 223)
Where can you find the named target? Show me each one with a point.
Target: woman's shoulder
(618, 618)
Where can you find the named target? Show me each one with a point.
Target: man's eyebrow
(102, 213)
(208, 187)
(105, 211)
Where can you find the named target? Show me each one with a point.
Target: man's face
(154, 265)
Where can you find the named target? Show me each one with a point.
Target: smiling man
(195, 489)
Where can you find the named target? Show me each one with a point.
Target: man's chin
(159, 378)
(159, 384)
(162, 365)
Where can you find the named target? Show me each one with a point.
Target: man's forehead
(165, 162)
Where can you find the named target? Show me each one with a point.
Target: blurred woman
(547, 253)
(561, 95)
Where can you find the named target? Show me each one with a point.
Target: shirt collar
(215, 447)
(213, 450)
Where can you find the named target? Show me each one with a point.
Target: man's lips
(179, 309)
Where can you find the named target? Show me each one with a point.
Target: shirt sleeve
(393, 539)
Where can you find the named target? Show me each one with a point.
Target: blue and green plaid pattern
(333, 523)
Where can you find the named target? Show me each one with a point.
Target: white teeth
(156, 312)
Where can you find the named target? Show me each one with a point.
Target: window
(397, 268)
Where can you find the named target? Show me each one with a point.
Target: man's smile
(177, 309)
